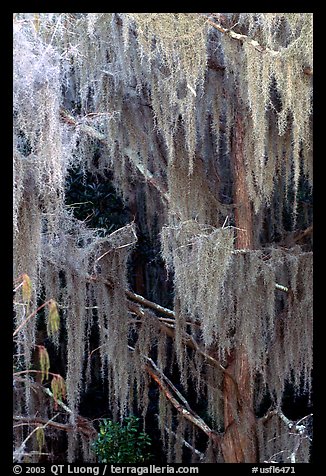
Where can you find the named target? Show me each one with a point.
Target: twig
(32, 371)
(39, 425)
(19, 286)
(29, 317)
(59, 426)
(94, 350)
(185, 443)
(281, 288)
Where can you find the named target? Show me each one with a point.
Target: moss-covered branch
(237, 36)
(190, 416)
(69, 119)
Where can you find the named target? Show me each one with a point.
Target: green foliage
(124, 443)
(95, 200)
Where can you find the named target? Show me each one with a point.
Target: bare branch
(145, 302)
(82, 425)
(19, 451)
(29, 317)
(295, 428)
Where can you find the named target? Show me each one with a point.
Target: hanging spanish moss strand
(152, 100)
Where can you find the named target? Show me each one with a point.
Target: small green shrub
(124, 443)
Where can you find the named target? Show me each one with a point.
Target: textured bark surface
(239, 442)
(243, 210)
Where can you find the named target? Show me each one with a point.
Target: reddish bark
(243, 210)
(239, 441)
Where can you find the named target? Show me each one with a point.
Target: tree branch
(292, 425)
(167, 380)
(183, 408)
(83, 425)
(32, 371)
(29, 317)
(295, 428)
(185, 443)
(236, 36)
(19, 451)
(190, 416)
(68, 118)
(145, 302)
(44, 389)
(190, 342)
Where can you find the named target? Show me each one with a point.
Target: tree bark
(239, 444)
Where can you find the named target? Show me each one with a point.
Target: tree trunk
(239, 443)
